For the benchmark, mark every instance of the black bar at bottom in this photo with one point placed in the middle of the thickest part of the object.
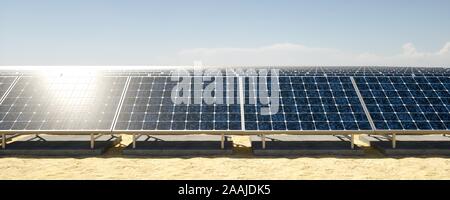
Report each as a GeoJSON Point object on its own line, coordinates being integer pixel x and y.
{"type": "Point", "coordinates": [227, 189]}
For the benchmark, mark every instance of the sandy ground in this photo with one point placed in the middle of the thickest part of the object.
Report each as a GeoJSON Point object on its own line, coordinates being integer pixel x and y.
{"type": "Point", "coordinates": [242, 165]}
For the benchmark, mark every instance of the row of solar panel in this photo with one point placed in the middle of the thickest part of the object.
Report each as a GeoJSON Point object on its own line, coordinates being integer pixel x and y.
{"type": "Point", "coordinates": [291, 71]}
{"type": "Point", "coordinates": [96, 103]}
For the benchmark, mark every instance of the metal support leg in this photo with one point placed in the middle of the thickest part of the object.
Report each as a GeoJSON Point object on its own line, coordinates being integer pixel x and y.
{"type": "Point", "coordinates": [352, 140]}
{"type": "Point", "coordinates": [134, 141]}
{"type": "Point", "coordinates": [3, 141]}
{"type": "Point", "coordinates": [394, 141]}
{"type": "Point", "coordinates": [222, 142]}
{"type": "Point", "coordinates": [92, 141]}
{"type": "Point", "coordinates": [263, 140]}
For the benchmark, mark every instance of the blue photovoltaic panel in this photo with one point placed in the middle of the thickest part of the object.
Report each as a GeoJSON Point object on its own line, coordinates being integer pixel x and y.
{"type": "Point", "coordinates": [363, 71]}
{"type": "Point", "coordinates": [407, 103]}
{"type": "Point", "coordinates": [61, 103]}
{"type": "Point", "coordinates": [309, 103]}
{"type": "Point", "coordinates": [148, 106]}
{"type": "Point", "coordinates": [311, 98]}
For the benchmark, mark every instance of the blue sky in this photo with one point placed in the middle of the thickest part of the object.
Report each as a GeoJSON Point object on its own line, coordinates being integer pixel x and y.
{"type": "Point", "coordinates": [249, 32]}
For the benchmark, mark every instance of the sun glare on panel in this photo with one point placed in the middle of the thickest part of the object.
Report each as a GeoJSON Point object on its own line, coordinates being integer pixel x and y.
{"type": "Point", "coordinates": [69, 88]}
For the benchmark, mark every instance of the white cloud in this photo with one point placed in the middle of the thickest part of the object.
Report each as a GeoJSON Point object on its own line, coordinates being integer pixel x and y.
{"type": "Point", "coordinates": [297, 54]}
{"type": "Point", "coordinates": [445, 49]}
{"type": "Point", "coordinates": [409, 49]}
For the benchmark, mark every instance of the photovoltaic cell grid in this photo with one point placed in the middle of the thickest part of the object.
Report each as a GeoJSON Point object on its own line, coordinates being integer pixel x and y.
{"type": "Point", "coordinates": [364, 71]}
{"type": "Point", "coordinates": [314, 98]}
{"type": "Point", "coordinates": [5, 83]}
{"type": "Point", "coordinates": [309, 103]}
{"type": "Point", "coordinates": [308, 71]}
{"type": "Point", "coordinates": [61, 103]}
{"type": "Point", "coordinates": [163, 72]}
{"type": "Point", "coordinates": [148, 106]}
{"type": "Point", "coordinates": [407, 103]}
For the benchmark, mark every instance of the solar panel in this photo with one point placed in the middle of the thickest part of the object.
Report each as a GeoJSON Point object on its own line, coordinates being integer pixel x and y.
{"type": "Point", "coordinates": [61, 103]}
{"type": "Point", "coordinates": [309, 103]}
{"type": "Point", "coordinates": [311, 98]}
{"type": "Point", "coordinates": [162, 72]}
{"type": "Point", "coordinates": [363, 71]}
{"type": "Point", "coordinates": [407, 103]}
{"type": "Point", "coordinates": [148, 106]}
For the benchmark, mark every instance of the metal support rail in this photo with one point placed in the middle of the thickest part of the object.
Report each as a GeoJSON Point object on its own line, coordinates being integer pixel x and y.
{"type": "Point", "coordinates": [363, 104]}
{"type": "Point", "coordinates": [242, 101]}
{"type": "Point", "coordinates": [16, 79]}
{"type": "Point", "coordinates": [119, 107]}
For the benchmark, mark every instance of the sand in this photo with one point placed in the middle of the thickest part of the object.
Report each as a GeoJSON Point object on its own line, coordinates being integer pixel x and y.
{"type": "Point", "coordinates": [242, 165]}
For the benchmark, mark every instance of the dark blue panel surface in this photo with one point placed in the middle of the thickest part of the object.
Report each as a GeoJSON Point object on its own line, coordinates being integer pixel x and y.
{"type": "Point", "coordinates": [309, 103]}
{"type": "Point", "coordinates": [407, 103]}
{"type": "Point", "coordinates": [148, 105]}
